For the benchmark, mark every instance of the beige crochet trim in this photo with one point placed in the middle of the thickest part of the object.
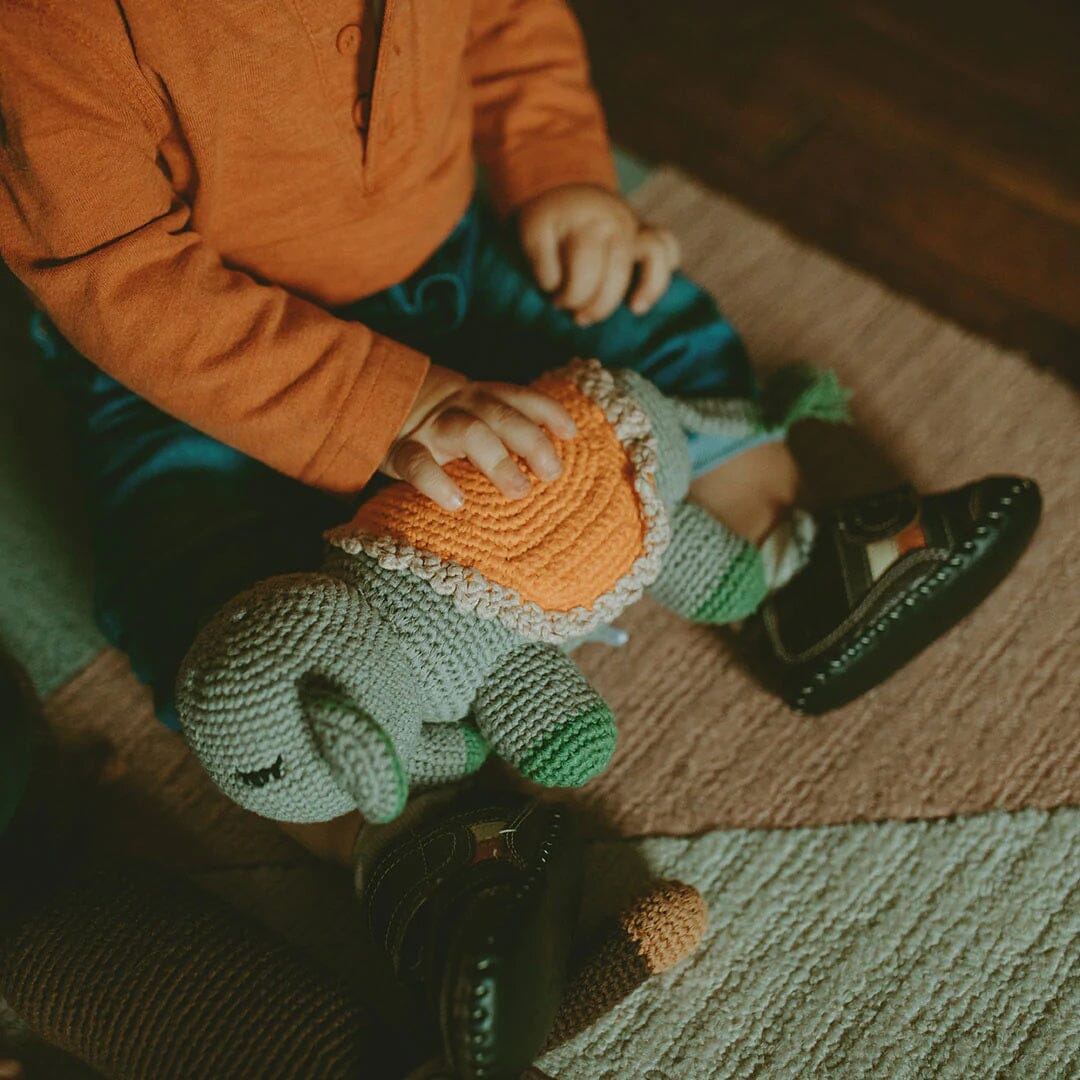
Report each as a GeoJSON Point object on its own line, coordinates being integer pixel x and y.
{"type": "Point", "coordinates": [474, 594]}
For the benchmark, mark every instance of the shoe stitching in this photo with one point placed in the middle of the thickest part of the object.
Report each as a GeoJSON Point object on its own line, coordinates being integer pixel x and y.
{"type": "Point", "coordinates": [392, 916]}
{"type": "Point", "coordinates": [390, 861]}
{"type": "Point", "coordinates": [769, 613]}
{"type": "Point", "coordinates": [877, 629]}
{"type": "Point", "coordinates": [934, 582]}
{"type": "Point", "coordinates": [386, 866]}
{"type": "Point", "coordinates": [396, 911]}
{"type": "Point", "coordinates": [512, 828]}
{"type": "Point", "coordinates": [420, 885]}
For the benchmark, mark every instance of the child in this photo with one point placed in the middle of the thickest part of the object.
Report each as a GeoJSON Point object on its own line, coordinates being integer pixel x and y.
{"type": "Point", "coordinates": [263, 275]}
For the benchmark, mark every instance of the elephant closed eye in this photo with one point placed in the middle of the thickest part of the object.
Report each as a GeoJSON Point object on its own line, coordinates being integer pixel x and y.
{"type": "Point", "coordinates": [262, 777]}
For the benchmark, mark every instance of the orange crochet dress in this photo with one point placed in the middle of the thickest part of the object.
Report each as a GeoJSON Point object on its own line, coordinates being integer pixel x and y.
{"type": "Point", "coordinates": [565, 545]}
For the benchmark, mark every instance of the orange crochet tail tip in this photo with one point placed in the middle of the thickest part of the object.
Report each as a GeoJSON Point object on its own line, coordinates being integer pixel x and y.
{"type": "Point", "coordinates": [653, 934]}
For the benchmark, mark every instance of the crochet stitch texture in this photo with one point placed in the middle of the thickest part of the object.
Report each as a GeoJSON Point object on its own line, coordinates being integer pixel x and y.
{"type": "Point", "coordinates": [430, 638]}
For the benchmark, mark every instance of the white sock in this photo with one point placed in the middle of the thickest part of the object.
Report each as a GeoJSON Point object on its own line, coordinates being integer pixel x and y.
{"type": "Point", "coordinates": [786, 550]}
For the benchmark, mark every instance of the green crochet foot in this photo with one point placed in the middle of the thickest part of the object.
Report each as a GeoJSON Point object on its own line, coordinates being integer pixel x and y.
{"type": "Point", "coordinates": [739, 593]}
{"type": "Point", "coordinates": [574, 752]}
{"type": "Point", "coordinates": [476, 748]}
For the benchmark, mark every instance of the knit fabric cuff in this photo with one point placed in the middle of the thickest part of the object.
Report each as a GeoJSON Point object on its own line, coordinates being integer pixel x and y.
{"type": "Point", "coordinates": [374, 839]}
{"type": "Point", "coordinates": [370, 418]}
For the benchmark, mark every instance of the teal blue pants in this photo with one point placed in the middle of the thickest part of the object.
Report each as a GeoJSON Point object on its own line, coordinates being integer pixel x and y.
{"type": "Point", "coordinates": [181, 522]}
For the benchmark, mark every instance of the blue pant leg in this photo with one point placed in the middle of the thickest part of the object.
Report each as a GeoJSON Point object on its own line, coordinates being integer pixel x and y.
{"type": "Point", "coordinates": [683, 344]}
{"type": "Point", "coordinates": [179, 522]}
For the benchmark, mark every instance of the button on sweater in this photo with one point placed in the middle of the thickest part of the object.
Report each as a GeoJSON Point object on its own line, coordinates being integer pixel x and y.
{"type": "Point", "coordinates": [186, 188]}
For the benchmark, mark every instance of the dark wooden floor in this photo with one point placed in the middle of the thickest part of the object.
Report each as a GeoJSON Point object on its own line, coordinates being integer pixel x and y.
{"type": "Point", "coordinates": [934, 143]}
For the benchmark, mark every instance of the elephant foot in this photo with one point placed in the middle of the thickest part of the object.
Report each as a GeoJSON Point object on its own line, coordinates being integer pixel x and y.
{"type": "Point", "coordinates": [575, 751]}
{"type": "Point", "coordinates": [738, 593]}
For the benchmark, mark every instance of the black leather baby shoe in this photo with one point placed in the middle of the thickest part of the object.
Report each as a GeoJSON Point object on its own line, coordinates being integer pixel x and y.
{"type": "Point", "coordinates": [475, 911]}
{"type": "Point", "coordinates": [888, 574]}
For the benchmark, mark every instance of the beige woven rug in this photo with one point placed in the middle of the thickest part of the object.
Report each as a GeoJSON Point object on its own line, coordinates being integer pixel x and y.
{"type": "Point", "coordinates": [990, 716]}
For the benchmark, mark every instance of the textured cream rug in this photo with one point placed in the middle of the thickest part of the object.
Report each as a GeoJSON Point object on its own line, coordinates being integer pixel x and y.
{"type": "Point", "coordinates": [899, 949]}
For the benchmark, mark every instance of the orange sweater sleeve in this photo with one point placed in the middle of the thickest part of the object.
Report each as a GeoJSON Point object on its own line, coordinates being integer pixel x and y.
{"type": "Point", "coordinates": [94, 230]}
{"type": "Point", "coordinates": [538, 123]}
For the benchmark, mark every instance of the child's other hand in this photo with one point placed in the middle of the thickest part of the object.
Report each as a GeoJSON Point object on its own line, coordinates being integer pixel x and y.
{"type": "Point", "coordinates": [584, 244]}
{"type": "Point", "coordinates": [484, 422]}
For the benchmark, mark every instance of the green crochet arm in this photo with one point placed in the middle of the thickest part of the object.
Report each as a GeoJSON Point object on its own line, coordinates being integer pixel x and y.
{"type": "Point", "coordinates": [539, 713]}
{"type": "Point", "coordinates": [447, 752]}
{"type": "Point", "coordinates": [709, 574]}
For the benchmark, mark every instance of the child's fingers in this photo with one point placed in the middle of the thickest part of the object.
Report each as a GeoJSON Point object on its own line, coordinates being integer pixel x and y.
{"type": "Point", "coordinates": [654, 259]}
{"type": "Point", "coordinates": [541, 247]}
{"type": "Point", "coordinates": [521, 435]}
{"type": "Point", "coordinates": [412, 462]}
{"type": "Point", "coordinates": [538, 407]}
{"type": "Point", "coordinates": [674, 248]}
{"type": "Point", "coordinates": [465, 435]}
{"type": "Point", "coordinates": [613, 283]}
{"type": "Point", "coordinates": [583, 257]}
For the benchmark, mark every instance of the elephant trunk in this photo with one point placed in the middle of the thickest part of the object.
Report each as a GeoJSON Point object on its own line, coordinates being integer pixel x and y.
{"type": "Point", "coordinates": [297, 703]}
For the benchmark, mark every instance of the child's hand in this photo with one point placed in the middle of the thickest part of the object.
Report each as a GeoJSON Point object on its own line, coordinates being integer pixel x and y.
{"type": "Point", "coordinates": [482, 421]}
{"type": "Point", "coordinates": [584, 244]}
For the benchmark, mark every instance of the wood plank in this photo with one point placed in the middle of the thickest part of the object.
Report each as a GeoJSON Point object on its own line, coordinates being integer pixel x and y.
{"type": "Point", "coordinates": [1023, 50]}
{"type": "Point", "coordinates": [1030, 155]}
{"type": "Point", "coordinates": [806, 115]}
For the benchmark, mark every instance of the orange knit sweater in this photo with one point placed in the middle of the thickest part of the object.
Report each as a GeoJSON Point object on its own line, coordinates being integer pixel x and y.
{"type": "Point", "coordinates": [185, 186]}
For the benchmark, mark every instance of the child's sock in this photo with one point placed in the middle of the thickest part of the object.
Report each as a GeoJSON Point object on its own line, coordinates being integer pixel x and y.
{"type": "Point", "coordinates": [786, 550]}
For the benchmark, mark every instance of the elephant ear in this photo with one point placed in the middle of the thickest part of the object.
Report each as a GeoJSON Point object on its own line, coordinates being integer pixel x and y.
{"type": "Point", "coordinates": [358, 751]}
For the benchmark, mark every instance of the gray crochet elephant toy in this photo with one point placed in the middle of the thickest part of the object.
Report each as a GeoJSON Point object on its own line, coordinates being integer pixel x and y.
{"type": "Point", "coordinates": [430, 638]}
